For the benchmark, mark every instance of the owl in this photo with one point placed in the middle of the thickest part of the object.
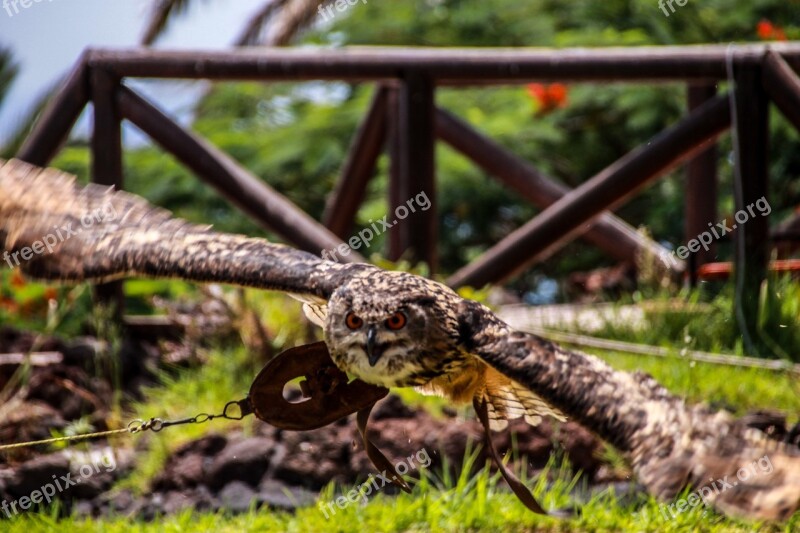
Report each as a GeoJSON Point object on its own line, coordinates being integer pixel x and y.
{"type": "Point", "coordinates": [400, 330]}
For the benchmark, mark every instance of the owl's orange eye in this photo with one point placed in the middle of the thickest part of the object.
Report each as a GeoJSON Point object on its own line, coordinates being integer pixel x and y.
{"type": "Point", "coordinates": [353, 321]}
{"type": "Point", "coordinates": [396, 321]}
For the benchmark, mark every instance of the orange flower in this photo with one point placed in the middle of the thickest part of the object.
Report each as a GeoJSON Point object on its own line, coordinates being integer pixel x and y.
{"type": "Point", "coordinates": [17, 280]}
{"type": "Point", "coordinates": [8, 304]}
{"type": "Point", "coordinates": [766, 31]}
{"type": "Point", "coordinates": [50, 293]}
{"type": "Point", "coordinates": [548, 97]}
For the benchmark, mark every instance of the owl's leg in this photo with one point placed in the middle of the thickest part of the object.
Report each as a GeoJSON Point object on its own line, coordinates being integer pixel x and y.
{"type": "Point", "coordinates": [518, 487]}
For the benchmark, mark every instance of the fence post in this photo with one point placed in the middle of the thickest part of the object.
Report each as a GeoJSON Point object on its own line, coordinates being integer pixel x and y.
{"type": "Point", "coordinates": [358, 168]}
{"type": "Point", "coordinates": [751, 183]}
{"type": "Point", "coordinates": [106, 148]}
{"type": "Point", "coordinates": [700, 202]}
{"type": "Point", "coordinates": [412, 146]}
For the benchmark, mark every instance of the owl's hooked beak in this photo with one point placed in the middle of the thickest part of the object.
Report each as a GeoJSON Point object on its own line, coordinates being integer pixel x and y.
{"type": "Point", "coordinates": [373, 353]}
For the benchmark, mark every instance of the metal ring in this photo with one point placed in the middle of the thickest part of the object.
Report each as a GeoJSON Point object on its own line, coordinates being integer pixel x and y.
{"type": "Point", "coordinates": [155, 424]}
{"type": "Point", "coordinates": [228, 406]}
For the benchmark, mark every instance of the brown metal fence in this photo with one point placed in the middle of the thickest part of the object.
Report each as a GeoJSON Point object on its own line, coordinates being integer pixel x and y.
{"type": "Point", "coordinates": [404, 118]}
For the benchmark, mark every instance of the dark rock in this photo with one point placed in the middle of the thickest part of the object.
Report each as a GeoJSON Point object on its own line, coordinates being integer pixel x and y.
{"type": "Point", "coordinates": [246, 461]}
{"type": "Point", "coordinates": [188, 466]}
{"type": "Point", "coordinates": [83, 508]}
{"type": "Point", "coordinates": [34, 474]}
{"type": "Point", "coordinates": [49, 385]}
{"type": "Point", "coordinates": [315, 458]}
{"type": "Point", "coordinates": [182, 472]}
{"type": "Point", "coordinates": [391, 407]}
{"type": "Point", "coordinates": [91, 486]}
{"type": "Point", "coordinates": [208, 445]}
{"type": "Point", "coordinates": [117, 502]}
{"type": "Point", "coordinates": [237, 496]}
{"type": "Point", "coordinates": [277, 495]}
{"type": "Point", "coordinates": [25, 421]}
{"type": "Point", "coordinates": [175, 501]}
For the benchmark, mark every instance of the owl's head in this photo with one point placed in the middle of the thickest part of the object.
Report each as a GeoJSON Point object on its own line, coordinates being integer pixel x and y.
{"type": "Point", "coordinates": [390, 328]}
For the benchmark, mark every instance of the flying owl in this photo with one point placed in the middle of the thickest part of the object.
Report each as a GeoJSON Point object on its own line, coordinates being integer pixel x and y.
{"type": "Point", "coordinates": [397, 329]}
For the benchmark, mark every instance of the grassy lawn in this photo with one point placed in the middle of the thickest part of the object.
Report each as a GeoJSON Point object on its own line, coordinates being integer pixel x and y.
{"type": "Point", "coordinates": [479, 503]}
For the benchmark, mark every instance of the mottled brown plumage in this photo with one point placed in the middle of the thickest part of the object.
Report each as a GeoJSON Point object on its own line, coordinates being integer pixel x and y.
{"type": "Point", "coordinates": [446, 344]}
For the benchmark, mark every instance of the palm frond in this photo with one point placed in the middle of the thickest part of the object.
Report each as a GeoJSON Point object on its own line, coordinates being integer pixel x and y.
{"type": "Point", "coordinates": [24, 125]}
{"type": "Point", "coordinates": [295, 15]}
{"type": "Point", "coordinates": [254, 29]}
{"type": "Point", "coordinates": [161, 14]}
{"type": "Point", "coordinates": [8, 71]}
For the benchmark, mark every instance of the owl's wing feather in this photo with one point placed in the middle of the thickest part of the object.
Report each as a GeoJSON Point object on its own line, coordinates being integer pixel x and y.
{"type": "Point", "coordinates": [505, 398]}
{"type": "Point", "coordinates": [315, 309]}
{"type": "Point", "coordinates": [670, 445]}
{"type": "Point", "coordinates": [98, 234]}
{"type": "Point", "coordinates": [508, 400]}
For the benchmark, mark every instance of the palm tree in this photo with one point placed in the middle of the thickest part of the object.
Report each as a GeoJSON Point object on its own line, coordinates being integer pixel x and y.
{"type": "Point", "coordinates": [275, 24]}
{"type": "Point", "coordinates": [8, 71]}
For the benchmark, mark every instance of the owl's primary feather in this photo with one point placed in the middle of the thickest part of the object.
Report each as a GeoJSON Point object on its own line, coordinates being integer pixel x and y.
{"type": "Point", "coordinates": [397, 329]}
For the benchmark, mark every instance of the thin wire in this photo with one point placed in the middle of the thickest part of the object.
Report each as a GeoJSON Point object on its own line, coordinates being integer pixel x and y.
{"type": "Point", "coordinates": [63, 439]}
{"type": "Point", "coordinates": [154, 424]}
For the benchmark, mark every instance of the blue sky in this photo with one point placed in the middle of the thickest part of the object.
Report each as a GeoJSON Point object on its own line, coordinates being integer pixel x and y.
{"type": "Point", "coordinates": [48, 36]}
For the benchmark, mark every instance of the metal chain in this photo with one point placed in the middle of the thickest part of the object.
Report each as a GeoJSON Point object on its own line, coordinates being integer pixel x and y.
{"type": "Point", "coordinates": [154, 424]}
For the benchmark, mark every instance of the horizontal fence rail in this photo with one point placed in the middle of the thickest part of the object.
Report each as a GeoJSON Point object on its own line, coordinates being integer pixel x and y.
{"type": "Point", "coordinates": [445, 65]}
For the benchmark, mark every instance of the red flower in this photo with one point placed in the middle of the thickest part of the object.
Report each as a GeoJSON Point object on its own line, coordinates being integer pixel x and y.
{"type": "Point", "coordinates": [766, 31]}
{"type": "Point", "coordinates": [8, 304]}
{"type": "Point", "coordinates": [548, 97]}
{"type": "Point", "coordinates": [50, 293]}
{"type": "Point", "coordinates": [17, 280]}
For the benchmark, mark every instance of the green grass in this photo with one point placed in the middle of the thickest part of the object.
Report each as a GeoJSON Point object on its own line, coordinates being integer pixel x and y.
{"type": "Point", "coordinates": [703, 319]}
{"type": "Point", "coordinates": [734, 388]}
{"type": "Point", "coordinates": [479, 503]}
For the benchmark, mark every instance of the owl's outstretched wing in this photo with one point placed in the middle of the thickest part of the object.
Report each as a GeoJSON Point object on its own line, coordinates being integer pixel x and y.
{"type": "Point", "coordinates": [56, 229]}
{"type": "Point", "coordinates": [670, 444]}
